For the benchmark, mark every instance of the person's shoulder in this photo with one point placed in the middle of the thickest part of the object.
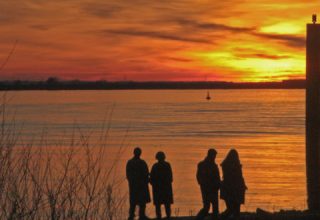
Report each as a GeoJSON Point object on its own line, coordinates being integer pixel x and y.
{"type": "Point", "coordinates": [155, 165]}
{"type": "Point", "coordinates": [130, 163]}
{"type": "Point", "coordinates": [201, 163]}
{"type": "Point", "coordinates": [167, 164]}
{"type": "Point", "coordinates": [142, 162]}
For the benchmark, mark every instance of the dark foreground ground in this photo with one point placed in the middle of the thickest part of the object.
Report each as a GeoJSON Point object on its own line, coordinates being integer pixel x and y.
{"type": "Point", "coordinates": [263, 215]}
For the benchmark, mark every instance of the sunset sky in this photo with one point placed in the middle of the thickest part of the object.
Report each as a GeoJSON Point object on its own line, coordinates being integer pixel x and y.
{"type": "Point", "coordinates": [143, 40]}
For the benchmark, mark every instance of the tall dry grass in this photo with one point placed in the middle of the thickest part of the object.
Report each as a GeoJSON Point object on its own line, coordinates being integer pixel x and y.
{"type": "Point", "coordinates": [58, 182]}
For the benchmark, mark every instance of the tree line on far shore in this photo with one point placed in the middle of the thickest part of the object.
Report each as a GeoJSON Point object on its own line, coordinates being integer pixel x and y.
{"type": "Point", "coordinates": [54, 83]}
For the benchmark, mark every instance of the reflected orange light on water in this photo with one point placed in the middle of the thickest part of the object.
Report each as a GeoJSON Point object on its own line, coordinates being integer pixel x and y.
{"type": "Point", "coordinates": [265, 126]}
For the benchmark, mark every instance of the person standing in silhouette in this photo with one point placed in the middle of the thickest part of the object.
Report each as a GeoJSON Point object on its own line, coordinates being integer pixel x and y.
{"type": "Point", "coordinates": [233, 186]}
{"type": "Point", "coordinates": [208, 177]}
{"type": "Point", "coordinates": [161, 181]}
{"type": "Point", "coordinates": [138, 178]}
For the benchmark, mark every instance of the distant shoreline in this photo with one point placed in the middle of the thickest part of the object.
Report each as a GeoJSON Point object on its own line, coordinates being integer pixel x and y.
{"type": "Point", "coordinates": [56, 84]}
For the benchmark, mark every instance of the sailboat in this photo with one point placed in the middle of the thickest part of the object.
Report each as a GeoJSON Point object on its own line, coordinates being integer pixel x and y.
{"type": "Point", "coordinates": [208, 96]}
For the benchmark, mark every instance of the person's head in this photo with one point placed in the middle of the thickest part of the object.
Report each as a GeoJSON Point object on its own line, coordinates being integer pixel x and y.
{"type": "Point", "coordinates": [233, 154]}
{"type": "Point", "coordinates": [232, 157]}
{"type": "Point", "coordinates": [212, 153]}
{"type": "Point", "coordinates": [160, 156]}
{"type": "Point", "coordinates": [137, 152]}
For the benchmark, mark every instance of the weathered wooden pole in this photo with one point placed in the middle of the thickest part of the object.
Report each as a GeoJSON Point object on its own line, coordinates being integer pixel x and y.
{"type": "Point", "coordinates": [313, 115]}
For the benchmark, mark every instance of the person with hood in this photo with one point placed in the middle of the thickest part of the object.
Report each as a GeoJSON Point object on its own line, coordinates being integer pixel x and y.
{"type": "Point", "coordinates": [208, 178]}
{"type": "Point", "coordinates": [137, 173]}
{"type": "Point", "coordinates": [233, 186]}
{"type": "Point", "coordinates": [161, 180]}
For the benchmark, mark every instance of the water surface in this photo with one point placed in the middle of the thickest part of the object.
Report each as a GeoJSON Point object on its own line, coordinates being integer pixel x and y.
{"type": "Point", "coordinates": [265, 126]}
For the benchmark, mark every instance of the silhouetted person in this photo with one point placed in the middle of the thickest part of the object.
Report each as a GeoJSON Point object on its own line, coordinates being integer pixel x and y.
{"type": "Point", "coordinates": [209, 180]}
{"type": "Point", "coordinates": [233, 186]}
{"type": "Point", "coordinates": [138, 178]}
{"type": "Point", "coordinates": [161, 181]}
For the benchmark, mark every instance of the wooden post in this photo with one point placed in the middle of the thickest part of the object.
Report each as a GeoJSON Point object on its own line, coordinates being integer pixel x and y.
{"type": "Point", "coordinates": [313, 115]}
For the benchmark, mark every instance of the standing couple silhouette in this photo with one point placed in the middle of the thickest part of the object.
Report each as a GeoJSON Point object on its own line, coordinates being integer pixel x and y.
{"type": "Point", "coordinates": [160, 178]}
{"type": "Point", "coordinates": [232, 187]}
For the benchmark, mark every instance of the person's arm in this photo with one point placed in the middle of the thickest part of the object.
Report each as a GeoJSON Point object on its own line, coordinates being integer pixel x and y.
{"type": "Point", "coordinates": [170, 174]}
{"type": "Point", "coordinates": [198, 175]}
{"type": "Point", "coordinates": [152, 175]}
{"type": "Point", "coordinates": [146, 172]}
{"type": "Point", "coordinates": [242, 179]}
{"type": "Point", "coordinates": [128, 172]}
{"type": "Point", "coordinates": [217, 176]}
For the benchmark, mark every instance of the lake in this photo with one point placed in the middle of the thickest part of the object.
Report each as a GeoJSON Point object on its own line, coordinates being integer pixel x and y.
{"type": "Point", "coordinates": [267, 127]}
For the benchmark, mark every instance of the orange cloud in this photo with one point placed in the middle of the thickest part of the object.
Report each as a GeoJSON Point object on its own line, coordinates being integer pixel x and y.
{"type": "Point", "coordinates": [234, 40]}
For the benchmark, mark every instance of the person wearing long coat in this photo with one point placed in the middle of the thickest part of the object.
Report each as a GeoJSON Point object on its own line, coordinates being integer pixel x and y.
{"type": "Point", "coordinates": [208, 178]}
{"type": "Point", "coordinates": [138, 178]}
{"type": "Point", "coordinates": [161, 180]}
{"type": "Point", "coordinates": [233, 186]}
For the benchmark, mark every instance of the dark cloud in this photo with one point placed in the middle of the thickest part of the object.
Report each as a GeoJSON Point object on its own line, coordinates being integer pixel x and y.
{"type": "Point", "coordinates": [42, 43]}
{"type": "Point", "coordinates": [10, 15]}
{"type": "Point", "coordinates": [289, 40]}
{"type": "Point", "coordinates": [214, 26]}
{"type": "Point", "coordinates": [102, 10]}
{"type": "Point", "coordinates": [177, 59]}
{"type": "Point", "coordinates": [288, 75]}
{"type": "Point", "coordinates": [261, 55]}
{"type": "Point", "coordinates": [158, 35]}
{"type": "Point", "coordinates": [80, 60]}
{"type": "Point", "coordinates": [40, 27]}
